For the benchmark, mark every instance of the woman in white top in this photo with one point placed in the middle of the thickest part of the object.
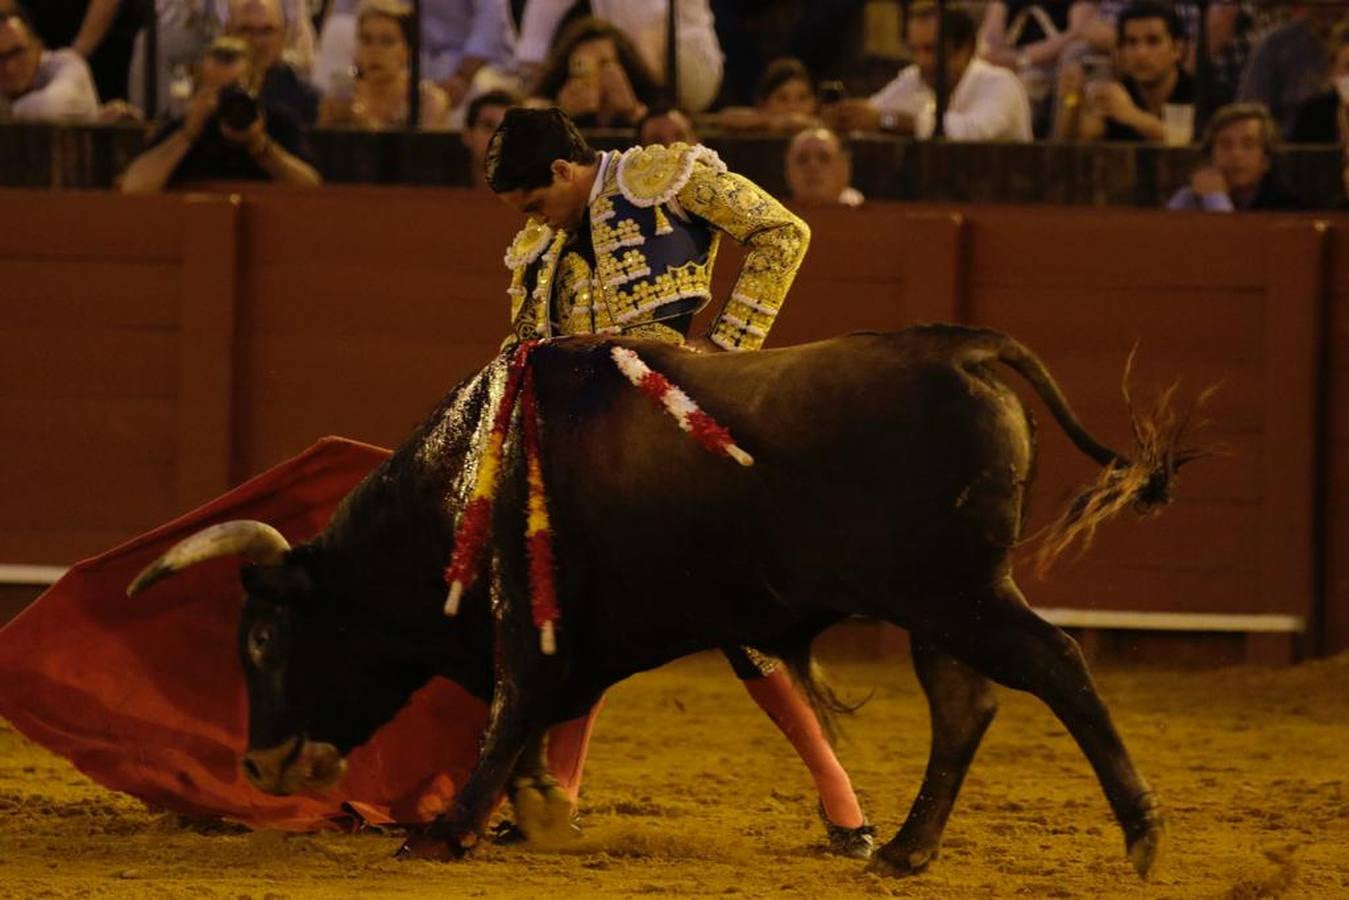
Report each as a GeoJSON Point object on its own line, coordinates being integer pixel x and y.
{"type": "Point", "coordinates": [643, 22]}
{"type": "Point", "coordinates": [378, 97]}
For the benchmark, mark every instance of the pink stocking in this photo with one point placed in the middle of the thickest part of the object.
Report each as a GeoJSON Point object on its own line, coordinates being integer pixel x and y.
{"type": "Point", "coordinates": [777, 696]}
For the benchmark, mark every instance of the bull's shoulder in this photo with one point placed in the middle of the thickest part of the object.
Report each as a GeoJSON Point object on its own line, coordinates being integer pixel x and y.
{"type": "Point", "coordinates": [656, 174]}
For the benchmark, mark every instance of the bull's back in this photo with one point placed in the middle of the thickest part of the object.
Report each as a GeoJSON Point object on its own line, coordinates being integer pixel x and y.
{"type": "Point", "coordinates": [878, 457]}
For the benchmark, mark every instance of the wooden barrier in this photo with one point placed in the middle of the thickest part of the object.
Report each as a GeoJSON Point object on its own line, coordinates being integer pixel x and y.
{"type": "Point", "coordinates": [884, 167]}
{"type": "Point", "coordinates": [110, 340]}
{"type": "Point", "coordinates": [155, 350]}
{"type": "Point", "coordinates": [1333, 525]}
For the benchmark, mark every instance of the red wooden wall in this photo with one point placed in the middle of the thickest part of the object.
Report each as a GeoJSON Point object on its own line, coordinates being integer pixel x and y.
{"type": "Point", "coordinates": [154, 351]}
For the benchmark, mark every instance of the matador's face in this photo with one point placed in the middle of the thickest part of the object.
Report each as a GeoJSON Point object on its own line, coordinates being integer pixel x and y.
{"type": "Point", "coordinates": [560, 204]}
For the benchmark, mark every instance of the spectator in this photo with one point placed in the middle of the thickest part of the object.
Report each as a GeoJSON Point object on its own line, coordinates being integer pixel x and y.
{"type": "Point", "coordinates": [642, 22]}
{"type": "Point", "coordinates": [185, 27]}
{"type": "Point", "coordinates": [665, 127]}
{"type": "Point", "coordinates": [1239, 146]}
{"type": "Point", "coordinates": [597, 78]}
{"type": "Point", "coordinates": [380, 95]}
{"type": "Point", "coordinates": [1031, 37]}
{"type": "Point", "coordinates": [819, 169]}
{"type": "Point", "coordinates": [1324, 119]}
{"type": "Point", "coordinates": [484, 116]}
{"type": "Point", "coordinates": [1290, 65]}
{"type": "Point", "coordinates": [1233, 26]}
{"type": "Point", "coordinates": [1102, 31]}
{"type": "Point", "coordinates": [38, 84]}
{"type": "Point", "coordinates": [1151, 47]}
{"type": "Point", "coordinates": [204, 147]}
{"type": "Point", "coordinates": [987, 102]}
{"type": "Point", "coordinates": [466, 45]}
{"type": "Point", "coordinates": [100, 31]}
{"type": "Point", "coordinates": [785, 100]}
{"type": "Point", "coordinates": [1233, 30]}
{"type": "Point", "coordinates": [262, 25]}
{"type": "Point", "coordinates": [830, 37]}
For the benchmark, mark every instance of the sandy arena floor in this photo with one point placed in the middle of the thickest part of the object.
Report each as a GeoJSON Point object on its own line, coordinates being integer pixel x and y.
{"type": "Point", "coordinates": [692, 791]}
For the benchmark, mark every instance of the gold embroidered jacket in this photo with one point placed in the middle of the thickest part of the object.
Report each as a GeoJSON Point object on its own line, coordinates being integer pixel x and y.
{"type": "Point", "coordinates": [655, 225]}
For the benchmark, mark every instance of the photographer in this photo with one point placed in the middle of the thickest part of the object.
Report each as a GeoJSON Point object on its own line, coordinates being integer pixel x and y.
{"type": "Point", "coordinates": [597, 78]}
{"type": "Point", "coordinates": [227, 134]}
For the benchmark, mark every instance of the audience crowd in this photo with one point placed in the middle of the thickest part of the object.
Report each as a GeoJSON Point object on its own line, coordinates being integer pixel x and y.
{"type": "Point", "coordinates": [238, 83]}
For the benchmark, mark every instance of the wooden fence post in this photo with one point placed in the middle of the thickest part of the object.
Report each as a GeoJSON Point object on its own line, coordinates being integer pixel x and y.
{"type": "Point", "coordinates": [1293, 312]}
{"type": "Point", "coordinates": [207, 357]}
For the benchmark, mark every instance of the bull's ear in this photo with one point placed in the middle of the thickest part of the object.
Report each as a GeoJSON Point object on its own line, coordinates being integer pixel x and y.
{"type": "Point", "coordinates": [279, 584]}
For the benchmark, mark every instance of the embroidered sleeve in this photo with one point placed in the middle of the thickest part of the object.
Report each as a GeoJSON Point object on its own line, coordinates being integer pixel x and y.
{"type": "Point", "coordinates": [777, 242]}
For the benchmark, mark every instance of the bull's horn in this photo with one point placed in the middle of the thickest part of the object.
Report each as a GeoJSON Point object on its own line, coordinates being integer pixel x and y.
{"type": "Point", "coordinates": [257, 542]}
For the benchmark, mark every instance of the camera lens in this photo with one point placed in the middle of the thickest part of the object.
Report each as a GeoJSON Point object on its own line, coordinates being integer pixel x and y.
{"type": "Point", "coordinates": [236, 107]}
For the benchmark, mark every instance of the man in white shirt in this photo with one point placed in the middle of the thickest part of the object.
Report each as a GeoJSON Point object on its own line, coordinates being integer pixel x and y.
{"type": "Point", "coordinates": [987, 103]}
{"type": "Point", "coordinates": [643, 21]}
{"type": "Point", "coordinates": [41, 85]}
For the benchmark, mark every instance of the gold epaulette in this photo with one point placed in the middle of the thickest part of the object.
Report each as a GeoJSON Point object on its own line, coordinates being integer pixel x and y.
{"type": "Point", "coordinates": [648, 176]}
{"type": "Point", "coordinates": [528, 244]}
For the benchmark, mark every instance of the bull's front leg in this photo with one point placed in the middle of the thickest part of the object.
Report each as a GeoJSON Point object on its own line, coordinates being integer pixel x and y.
{"type": "Point", "coordinates": [454, 833]}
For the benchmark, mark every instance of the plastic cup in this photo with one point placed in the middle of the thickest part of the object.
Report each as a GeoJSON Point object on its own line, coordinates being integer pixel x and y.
{"type": "Point", "coordinates": [1178, 120]}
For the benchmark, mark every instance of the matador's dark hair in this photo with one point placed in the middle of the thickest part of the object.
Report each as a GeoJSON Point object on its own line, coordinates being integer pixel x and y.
{"type": "Point", "coordinates": [521, 153]}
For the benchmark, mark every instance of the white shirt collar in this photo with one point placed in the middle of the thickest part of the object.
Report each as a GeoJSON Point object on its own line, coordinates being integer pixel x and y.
{"type": "Point", "coordinates": [602, 167]}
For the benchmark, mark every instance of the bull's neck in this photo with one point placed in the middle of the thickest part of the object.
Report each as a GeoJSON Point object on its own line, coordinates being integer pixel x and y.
{"type": "Point", "coordinates": [387, 546]}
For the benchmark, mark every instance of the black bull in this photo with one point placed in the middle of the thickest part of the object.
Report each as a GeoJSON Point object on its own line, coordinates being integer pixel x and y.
{"type": "Point", "coordinates": [890, 481]}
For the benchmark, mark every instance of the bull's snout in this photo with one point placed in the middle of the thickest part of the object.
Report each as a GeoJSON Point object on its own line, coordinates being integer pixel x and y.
{"type": "Point", "coordinates": [295, 765]}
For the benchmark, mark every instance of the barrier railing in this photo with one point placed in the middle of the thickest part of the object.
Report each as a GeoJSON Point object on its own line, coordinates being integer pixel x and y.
{"type": "Point", "coordinates": [85, 157]}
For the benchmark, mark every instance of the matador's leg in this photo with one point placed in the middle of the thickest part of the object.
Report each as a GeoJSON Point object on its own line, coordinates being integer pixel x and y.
{"type": "Point", "coordinates": [768, 682]}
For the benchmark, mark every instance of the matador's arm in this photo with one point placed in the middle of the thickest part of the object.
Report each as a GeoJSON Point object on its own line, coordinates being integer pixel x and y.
{"type": "Point", "coordinates": [777, 241]}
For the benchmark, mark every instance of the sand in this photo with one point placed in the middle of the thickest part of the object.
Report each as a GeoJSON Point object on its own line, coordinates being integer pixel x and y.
{"type": "Point", "coordinates": [690, 790]}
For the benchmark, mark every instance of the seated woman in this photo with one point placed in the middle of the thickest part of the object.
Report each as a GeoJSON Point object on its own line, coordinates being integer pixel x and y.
{"type": "Point", "coordinates": [785, 100]}
{"type": "Point", "coordinates": [596, 77]}
{"type": "Point", "coordinates": [378, 99]}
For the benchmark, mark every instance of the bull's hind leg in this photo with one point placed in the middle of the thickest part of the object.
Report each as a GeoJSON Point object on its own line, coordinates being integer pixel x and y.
{"type": "Point", "coordinates": [1000, 636]}
{"type": "Point", "coordinates": [962, 705]}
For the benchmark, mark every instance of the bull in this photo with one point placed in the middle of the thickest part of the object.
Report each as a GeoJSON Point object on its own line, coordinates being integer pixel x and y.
{"type": "Point", "coordinates": [891, 482]}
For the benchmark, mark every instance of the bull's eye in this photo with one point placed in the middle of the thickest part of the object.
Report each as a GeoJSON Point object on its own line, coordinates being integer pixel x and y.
{"type": "Point", "coordinates": [259, 643]}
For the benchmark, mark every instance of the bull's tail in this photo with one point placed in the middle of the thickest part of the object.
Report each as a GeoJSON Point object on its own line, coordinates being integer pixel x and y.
{"type": "Point", "coordinates": [1142, 481]}
{"type": "Point", "coordinates": [810, 680]}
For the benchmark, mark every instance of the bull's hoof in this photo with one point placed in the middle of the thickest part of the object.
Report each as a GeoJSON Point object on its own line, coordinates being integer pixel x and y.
{"type": "Point", "coordinates": [1144, 848]}
{"type": "Point", "coordinates": [897, 861]}
{"type": "Point", "coordinates": [1143, 841]}
{"type": "Point", "coordinates": [435, 849]}
{"type": "Point", "coordinates": [544, 813]}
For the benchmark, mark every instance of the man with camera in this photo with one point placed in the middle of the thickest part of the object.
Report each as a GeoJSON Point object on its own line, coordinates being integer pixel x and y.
{"type": "Point", "coordinates": [226, 135]}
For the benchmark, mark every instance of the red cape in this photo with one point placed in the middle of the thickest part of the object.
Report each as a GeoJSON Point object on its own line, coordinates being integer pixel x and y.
{"type": "Point", "coordinates": [146, 695]}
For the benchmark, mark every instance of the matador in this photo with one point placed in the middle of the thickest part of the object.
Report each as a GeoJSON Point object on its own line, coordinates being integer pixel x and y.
{"type": "Point", "coordinates": [625, 243]}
